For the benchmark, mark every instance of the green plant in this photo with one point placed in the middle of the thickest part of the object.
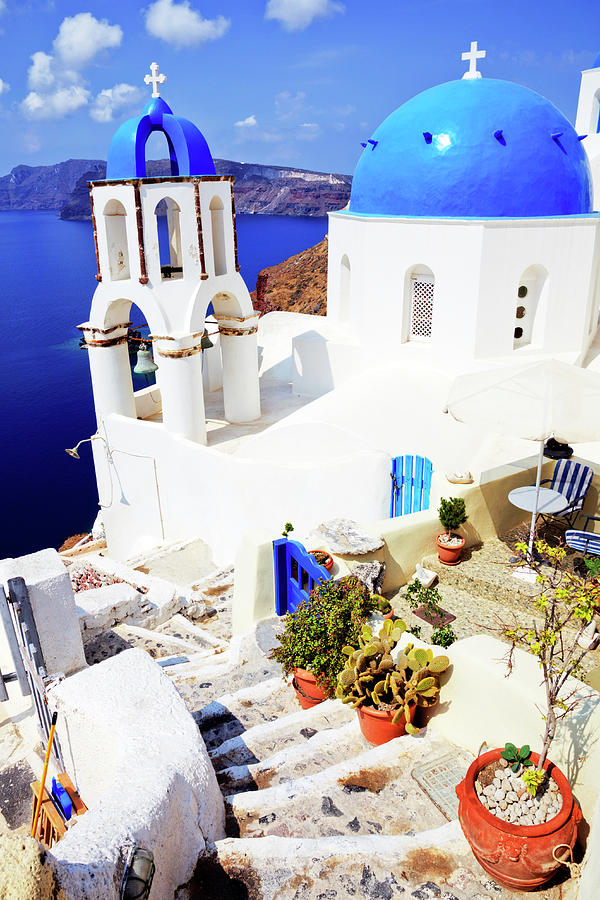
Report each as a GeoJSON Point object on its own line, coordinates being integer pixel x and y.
{"type": "Point", "coordinates": [515, 757]}
{"type": "Point", "coordinates": [563, 609]}
{"type": "Point", "coordinates": [286, 529]}
{"type": "Point", "coordinates": [452, 513]}
{"type": "Point", "coordinates": [533, 779]}
{"type": "Point", "coordinates": [315, 633]}
{"type": "Point", "coordinates": [443, 636]}
{"type": "Point", "coordinates": [429, 598]}
{"type": "Point", "coordinates": [370, 676]}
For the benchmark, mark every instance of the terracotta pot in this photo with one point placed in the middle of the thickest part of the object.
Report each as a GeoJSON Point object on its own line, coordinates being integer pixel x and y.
{"type": "Point", "coordinates": [389, 615]}
{"type": "Point", "coordinates": [450, 556]}
{"type": "Point", "coordinates": [377, 726]}
{"type": "Point", "coordinates": [328, 564]}
{"type": "Point", "coordinates": [518, 856]}
{"type": "Point", "coordinates": [307, 691]}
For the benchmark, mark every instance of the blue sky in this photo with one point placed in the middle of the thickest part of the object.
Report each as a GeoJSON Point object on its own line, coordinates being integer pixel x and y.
{"type": "Point", "coordinates": [291, 82]}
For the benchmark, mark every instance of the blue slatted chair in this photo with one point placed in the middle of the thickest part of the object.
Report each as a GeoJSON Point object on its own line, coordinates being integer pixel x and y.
{"type": "Point", "coordinates": [411, 484]}
{"type": "Point", "coordinates": [584, 541]}
{"type": "Point", "coordinates": [572, 480]}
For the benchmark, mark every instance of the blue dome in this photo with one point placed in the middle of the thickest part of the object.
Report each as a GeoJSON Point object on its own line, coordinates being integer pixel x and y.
{"type": "Point", "coordinates": [473, 148]}
{"type": "Point", "coordinates": [187, 147]}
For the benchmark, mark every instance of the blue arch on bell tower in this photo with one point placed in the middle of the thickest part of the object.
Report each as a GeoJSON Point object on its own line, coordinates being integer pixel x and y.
{"type": "Point", "coordinates": [188, 151]}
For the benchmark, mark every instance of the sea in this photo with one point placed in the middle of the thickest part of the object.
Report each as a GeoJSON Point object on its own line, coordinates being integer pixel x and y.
{"type": "Point", "coordinates": [47, 269]}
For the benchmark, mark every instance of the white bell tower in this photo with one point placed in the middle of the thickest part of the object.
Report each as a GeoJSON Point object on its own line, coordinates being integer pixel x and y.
{"type": "Point", "coordinates": [588, 122]}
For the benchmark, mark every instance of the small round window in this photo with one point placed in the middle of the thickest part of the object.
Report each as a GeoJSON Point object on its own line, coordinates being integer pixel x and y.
{"type": "Point", "coordinates": [522, 292]}
{"type": "Point", "coordinates": [520, 312]}
{"type": "Point", "coordinates": [518, 333]}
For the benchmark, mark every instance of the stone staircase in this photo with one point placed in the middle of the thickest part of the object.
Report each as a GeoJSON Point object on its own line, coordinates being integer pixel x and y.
{"type": "Point", "coordinates": [313, 811]}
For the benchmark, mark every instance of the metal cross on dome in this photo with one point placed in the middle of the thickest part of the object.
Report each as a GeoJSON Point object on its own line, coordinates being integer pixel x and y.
{"type": "Point", "coordinates": [155, 79]}
{"type": "Point", "coordinates": [473, 55]}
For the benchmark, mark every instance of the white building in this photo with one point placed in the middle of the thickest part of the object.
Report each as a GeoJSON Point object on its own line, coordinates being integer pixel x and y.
{"type": "Point", "coordinates": [469, 240]}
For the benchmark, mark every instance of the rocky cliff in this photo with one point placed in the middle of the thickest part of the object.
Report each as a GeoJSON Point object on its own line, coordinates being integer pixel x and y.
{"type": "Point", "coordinates": [45, 187]}
{"type": "Point", "coordinates": [273, 190]}
{"type": "Point", "coordinates": [298, 284]}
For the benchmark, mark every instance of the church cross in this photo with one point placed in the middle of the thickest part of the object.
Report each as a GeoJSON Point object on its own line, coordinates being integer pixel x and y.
{"type": "Point", "coordinates": [472, 55]}
{"type": "Point", "coordinates": [155, 79]}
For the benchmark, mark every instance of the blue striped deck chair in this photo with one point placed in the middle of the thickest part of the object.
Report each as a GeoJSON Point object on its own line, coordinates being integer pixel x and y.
{"type": "Point", "coordinates": [411, 484]}
{"type": "Point", "coordinates": [585, 541]}
{"type": "Point", "coordinates": [572, 480]}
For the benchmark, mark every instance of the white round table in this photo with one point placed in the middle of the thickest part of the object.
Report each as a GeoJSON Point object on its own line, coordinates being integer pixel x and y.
{"type": "Point", "coordinates": [549, 501]}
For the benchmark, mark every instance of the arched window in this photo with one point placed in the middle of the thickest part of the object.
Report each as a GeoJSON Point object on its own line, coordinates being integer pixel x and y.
{"type": "Point", "coordinates": [345, 289]}
{"type": "Point", "coordinates": [217, 221]}
{"type": "Point", "coordinates": [115, 219]}
{"type": "Point", "coordinates": [530, 307]}
{"type": "Point", "coordinates": [421, 289]}
{"type": "Point", "coordinates": [169, 238]}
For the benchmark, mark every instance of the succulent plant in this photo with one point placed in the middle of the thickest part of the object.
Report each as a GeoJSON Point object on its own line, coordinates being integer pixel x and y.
{"type": "Point", "coordinates": [383, 605]}
{"type": "Point", "coordinates": [372, 678]}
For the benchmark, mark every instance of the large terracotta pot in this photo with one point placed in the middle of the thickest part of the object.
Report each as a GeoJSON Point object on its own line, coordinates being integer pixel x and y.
{"type": "Point", "coordinates": [450, 556]}
{"type": "Point", "coordinates": [377, 726]}
{"type": "Point", "coordinates": [307, 691]}
{"type": "Point", "coordinates": [518, 856]}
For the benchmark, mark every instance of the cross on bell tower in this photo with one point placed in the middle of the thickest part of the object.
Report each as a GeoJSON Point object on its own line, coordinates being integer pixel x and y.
{"type": "Point", "coordinates": [155, 79]}
{"type": "Point", "coordinates": [472, 55]}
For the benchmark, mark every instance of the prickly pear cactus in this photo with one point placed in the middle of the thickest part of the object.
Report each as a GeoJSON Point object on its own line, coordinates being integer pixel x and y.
{"type": "Point", "coordinates": [372, 678]}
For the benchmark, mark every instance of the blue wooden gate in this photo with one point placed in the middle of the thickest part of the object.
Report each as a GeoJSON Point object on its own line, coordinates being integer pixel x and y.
{"type": "Point", "coordinates": [296, 573]}
{"type": "Point", "coordinates": [411, 484]}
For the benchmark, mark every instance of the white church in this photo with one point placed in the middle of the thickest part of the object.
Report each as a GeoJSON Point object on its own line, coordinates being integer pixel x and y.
{"type": "Point", "coordinates": [470, 240]}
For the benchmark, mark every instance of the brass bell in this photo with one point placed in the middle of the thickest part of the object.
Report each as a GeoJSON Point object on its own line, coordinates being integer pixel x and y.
{"type": "Point", "coordinates": [205, 342]}
{"type": "Point", "coordinates": [145, 365]}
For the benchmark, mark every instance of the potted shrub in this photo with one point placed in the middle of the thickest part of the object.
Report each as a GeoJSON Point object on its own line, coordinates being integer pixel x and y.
{"type": "Point", "coordinates": [452, 515]}
{"type": "Point", "coordinates": [518, 849]}
{"type": "Point", "coordinates": [384, 607]}
{"type": "Point", "coordinates": [314, 634]}
{"type": "Point", "coordinates": [385, 693]}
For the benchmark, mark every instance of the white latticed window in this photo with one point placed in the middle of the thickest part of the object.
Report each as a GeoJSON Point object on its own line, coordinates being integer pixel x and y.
{"type": "Point", "coordinates": [422, 307]}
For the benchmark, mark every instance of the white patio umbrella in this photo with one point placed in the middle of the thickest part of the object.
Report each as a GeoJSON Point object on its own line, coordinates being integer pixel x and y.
{"type": "Point", "coordinates": [536, 401]}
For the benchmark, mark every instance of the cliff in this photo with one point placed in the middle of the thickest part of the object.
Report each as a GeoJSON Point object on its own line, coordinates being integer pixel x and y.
{"type": "Point", "coordinates": [298, 284]}
{"type": "Point", "coordinates": [45, 187]}
{"type": "Point", "coordinates": [272, 190]}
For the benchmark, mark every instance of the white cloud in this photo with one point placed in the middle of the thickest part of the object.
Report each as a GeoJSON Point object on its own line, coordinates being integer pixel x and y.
{"type": "Point", "coordinates": [80, 38]}
{"type": "Point", "coordinates": [40, 74]}
{"type": "Point", "coordinates": [63, 101]}
{"type": "Point", "coordinates": [31, 143]}
{"type": "Point", "coordinates": [110, 100]}
{"type": "Point", "coordinates": [181, 25]}
{"type": "Point", "coordinates": [296, 15]}
{"type": "Point", "coordinates": [4, 86]}
{"type": "Point", "coordinates": [57, 87]}
{"type": "Point", "coordinates": [248, 122]}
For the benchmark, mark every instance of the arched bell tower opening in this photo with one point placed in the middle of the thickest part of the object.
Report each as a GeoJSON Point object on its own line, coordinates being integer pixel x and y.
{"type": "Point", "coordinates": [217, 219]}
{"type": "Point", "coordinates": [115, 222]}
{"type": "Point", "coordinates": [168, 226]}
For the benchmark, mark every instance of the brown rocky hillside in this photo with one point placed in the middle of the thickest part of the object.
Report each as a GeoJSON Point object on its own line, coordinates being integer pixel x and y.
{"type": "Point", "coordinates": [298, 284]}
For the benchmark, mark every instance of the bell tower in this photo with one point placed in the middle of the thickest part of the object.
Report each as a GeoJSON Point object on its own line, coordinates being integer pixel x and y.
{"type": "Point", "coordinates": [168, 244]}
{"type": "Point", "coordinates": [587, 122]}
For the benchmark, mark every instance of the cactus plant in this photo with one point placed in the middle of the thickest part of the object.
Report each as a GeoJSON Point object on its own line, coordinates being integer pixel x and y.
{"type": "Point", "coordinates": [372, 678]}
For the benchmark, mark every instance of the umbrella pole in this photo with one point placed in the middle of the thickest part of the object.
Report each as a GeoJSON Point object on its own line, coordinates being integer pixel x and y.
{"type": "Point", "coordinates": [535, 505]}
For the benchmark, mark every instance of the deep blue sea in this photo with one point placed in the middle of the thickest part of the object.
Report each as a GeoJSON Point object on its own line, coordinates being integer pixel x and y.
{"type": "Point", "coordinates": [47, 270]}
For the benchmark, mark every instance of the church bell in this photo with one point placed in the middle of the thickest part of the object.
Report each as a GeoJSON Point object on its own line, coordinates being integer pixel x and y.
{"type": "Point", "coordinates": [205, 341]}
{"type": "Point", "coordinates": [144, 365]}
